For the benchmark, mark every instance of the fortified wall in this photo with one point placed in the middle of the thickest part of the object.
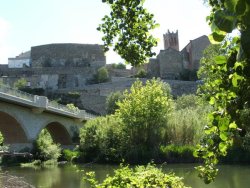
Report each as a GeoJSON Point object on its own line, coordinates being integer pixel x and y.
{"type": "Point", "coordinates": [67, 55]}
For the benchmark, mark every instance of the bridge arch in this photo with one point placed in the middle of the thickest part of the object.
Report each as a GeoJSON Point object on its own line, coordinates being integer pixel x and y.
{"type": "Point", "coordinates": [58, 133]}
{"type": "Point", "coordinates": [12, 130]}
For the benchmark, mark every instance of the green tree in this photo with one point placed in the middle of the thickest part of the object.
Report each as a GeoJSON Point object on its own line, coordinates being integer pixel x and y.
{"type": "Point", "coordinates": [20, 84]}
{"type": "Point", "coordinates": [111, 101]}
{"type": "Point", "coordinates": [228, 92]}
{"type": "Point", "coordinates": [144, 113]}
{"type": "Point", "coordinates": [127, 28]}
{"type": "Point", "coordinates": [141, 74]}
{"type": "Point", "coordinates": [103, 139]}
{"type": "Point", "coordinates": [102, 75]}
{"type": "Point", "coordinates": [47, 149]}
{"type": "Point", "coordinates": [119, 66]}
{"type": "Point", "coordinates": [1, 138]}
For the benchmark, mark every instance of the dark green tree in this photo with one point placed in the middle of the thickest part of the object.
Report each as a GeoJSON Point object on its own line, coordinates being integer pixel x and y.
{"type": "Point", "coordinates": [127, 28]}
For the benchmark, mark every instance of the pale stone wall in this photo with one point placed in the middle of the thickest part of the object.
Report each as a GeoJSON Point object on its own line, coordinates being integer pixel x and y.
{"type": "Point", "coordinates": [170, 62]}
{"type": "Point", "coordinates": [68, 55]}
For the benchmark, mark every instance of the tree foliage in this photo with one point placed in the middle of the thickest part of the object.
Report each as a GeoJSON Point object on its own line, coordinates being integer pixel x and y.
{"type": "Point", "coordinates": [140, 176]}
{"type": "Point", "coordinates": [144, 113]}
{"type": "Point", "coordinates": [127, 28]}
{"type": "Point", "coordinates": [47, 149]}
{"type": "Point", "coordinates": [229, 91]}
{"type": "Point", "coordinates": [20, 84]}
{"type": "Point", "coordinates": [102, 75]}
{"type": "Point", "coordinates": [102, 139]}
{"type": "Point", "coordinates": [119, 66]}
{"type": "Point", "coordinates": [111, 101]}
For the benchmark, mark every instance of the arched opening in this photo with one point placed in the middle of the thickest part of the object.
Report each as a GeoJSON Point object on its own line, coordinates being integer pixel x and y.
{"type": "Point", "coordinates": [59, 133]}
{"type": "Point", "coordinates": [12, 130]}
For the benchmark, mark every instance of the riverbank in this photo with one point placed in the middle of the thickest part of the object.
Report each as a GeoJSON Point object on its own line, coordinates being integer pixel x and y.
{"type": "Point", "coordinates": [9, 181]}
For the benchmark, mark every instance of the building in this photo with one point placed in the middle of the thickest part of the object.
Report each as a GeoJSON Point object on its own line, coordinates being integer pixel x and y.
{"type": "Point", "coordinates": [55, 66]}
{"type": "Point", "coordinates": [173, 64]}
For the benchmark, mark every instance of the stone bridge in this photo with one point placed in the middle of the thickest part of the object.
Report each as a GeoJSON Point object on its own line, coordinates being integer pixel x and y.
{"type": "Point", "coordinates": [23, 116]}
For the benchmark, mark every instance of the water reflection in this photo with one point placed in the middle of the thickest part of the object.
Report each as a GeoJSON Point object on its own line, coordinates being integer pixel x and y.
{"type": "Point", "coordinates": [70, 176]}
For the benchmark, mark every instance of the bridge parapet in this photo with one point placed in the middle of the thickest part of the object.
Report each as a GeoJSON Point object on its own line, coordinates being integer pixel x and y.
{"type": "Point", "coordinates": [17, 93]}
{"type": "Point", "coordinates": [41, 103]}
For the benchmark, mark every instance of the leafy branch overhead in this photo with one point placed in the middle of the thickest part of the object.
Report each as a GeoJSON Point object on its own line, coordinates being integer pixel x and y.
{"type": "Point", "coordinates": [127, 29]}
{"type": "Point", "coordinates": [227, 82]}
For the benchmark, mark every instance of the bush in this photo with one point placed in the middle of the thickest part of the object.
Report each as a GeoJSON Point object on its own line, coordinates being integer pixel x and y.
{"type": "Point", "coordinates": [111, 101]}
{"type": "Point", "coordinates": [118, 66]}
{"type": "Point", "coordinates": [74, 95]}
{"type": "Point", "coordinates": [140, 176]}
{"type": "Point", "coordinates": [102, 75]}
{"type": "Point", "coordinates": [46, 148]}
{"type": "Point", "coordinates": [144, 112]}
{"type": "Point", "coordinates": [102, 139]}
{"type": "Point", "coordinates": [73, 108]}
{"type": "Point", "coordinates": [175, 153]}
{"type": "Point", "coordinates": [141, 74]}
{"type": "Point", "coordinates": [70, 155]}
{"type": "Point", "coordinates": [21, 83]}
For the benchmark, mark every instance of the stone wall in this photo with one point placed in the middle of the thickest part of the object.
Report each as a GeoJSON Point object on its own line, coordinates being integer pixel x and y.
{"type": "Point", "coordinates": [93, 97]}
{"type": "Point", "coordinates": [49, 77]}
{"type": "Point", "coordinates": [170, 62]}
{"type": "Point", "coordinates": [68, 55]}
{"type": "Point", "coordinates": [198, 46]}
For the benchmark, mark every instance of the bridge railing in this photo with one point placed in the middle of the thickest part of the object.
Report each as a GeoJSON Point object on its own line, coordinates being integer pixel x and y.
{"type": "Point", "coordinates": [56, 105]}
{"type": "Point", "coordinates": [46, 103]}
{"type": "Point", "coordinates": [15, 92]}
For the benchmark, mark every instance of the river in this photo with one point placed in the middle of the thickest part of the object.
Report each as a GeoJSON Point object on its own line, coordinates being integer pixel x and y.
{"type": "Point", "coordinates": [70, 176]}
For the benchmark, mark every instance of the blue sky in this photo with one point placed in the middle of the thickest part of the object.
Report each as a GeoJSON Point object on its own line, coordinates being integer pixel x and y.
{"type": "Point", "coordinates": [26, 23]}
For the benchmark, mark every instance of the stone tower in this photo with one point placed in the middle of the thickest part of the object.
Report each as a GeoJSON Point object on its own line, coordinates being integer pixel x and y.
{"type": "Point", "coordinates": [171, 40]}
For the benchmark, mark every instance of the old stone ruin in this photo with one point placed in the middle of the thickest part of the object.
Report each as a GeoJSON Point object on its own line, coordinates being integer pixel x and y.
{"type": "Point", "coordinates": [61, 69]}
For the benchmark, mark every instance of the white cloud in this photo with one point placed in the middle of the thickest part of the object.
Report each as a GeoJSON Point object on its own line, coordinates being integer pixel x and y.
{"type": "Point", "coordinates": [5, 26]}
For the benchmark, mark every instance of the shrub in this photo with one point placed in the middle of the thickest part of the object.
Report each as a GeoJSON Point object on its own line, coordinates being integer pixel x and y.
{"type": "Point", "coordinates": [46, 148]}
{"type": "Point", "coordinates": [73, 108]}
{"type": "Point", "coordinates": [118, 66]}
{"type": "Point", "coordinates": [102, 75]}
{"type": "Point", "coordinates": [21, 83]}
{"type": "Point", "coordinates": [74, 95]}
{"type": "Point", "coordinates": [70, 155]}
{"type": "Point", "coordinates": [102, 139]}
{"type": "Point", "coordinates": [1, 138]}
{"type": "Point", "coordinates": [140, 176]}
{"type": "Point", "coordinates": [175, 153]}
{"type": "Point", "coordinates": [144, 112]}
{"type": "Point", "coordinates": [141, 74]}
{"type": "Point", "coordinates": [111, 101]}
